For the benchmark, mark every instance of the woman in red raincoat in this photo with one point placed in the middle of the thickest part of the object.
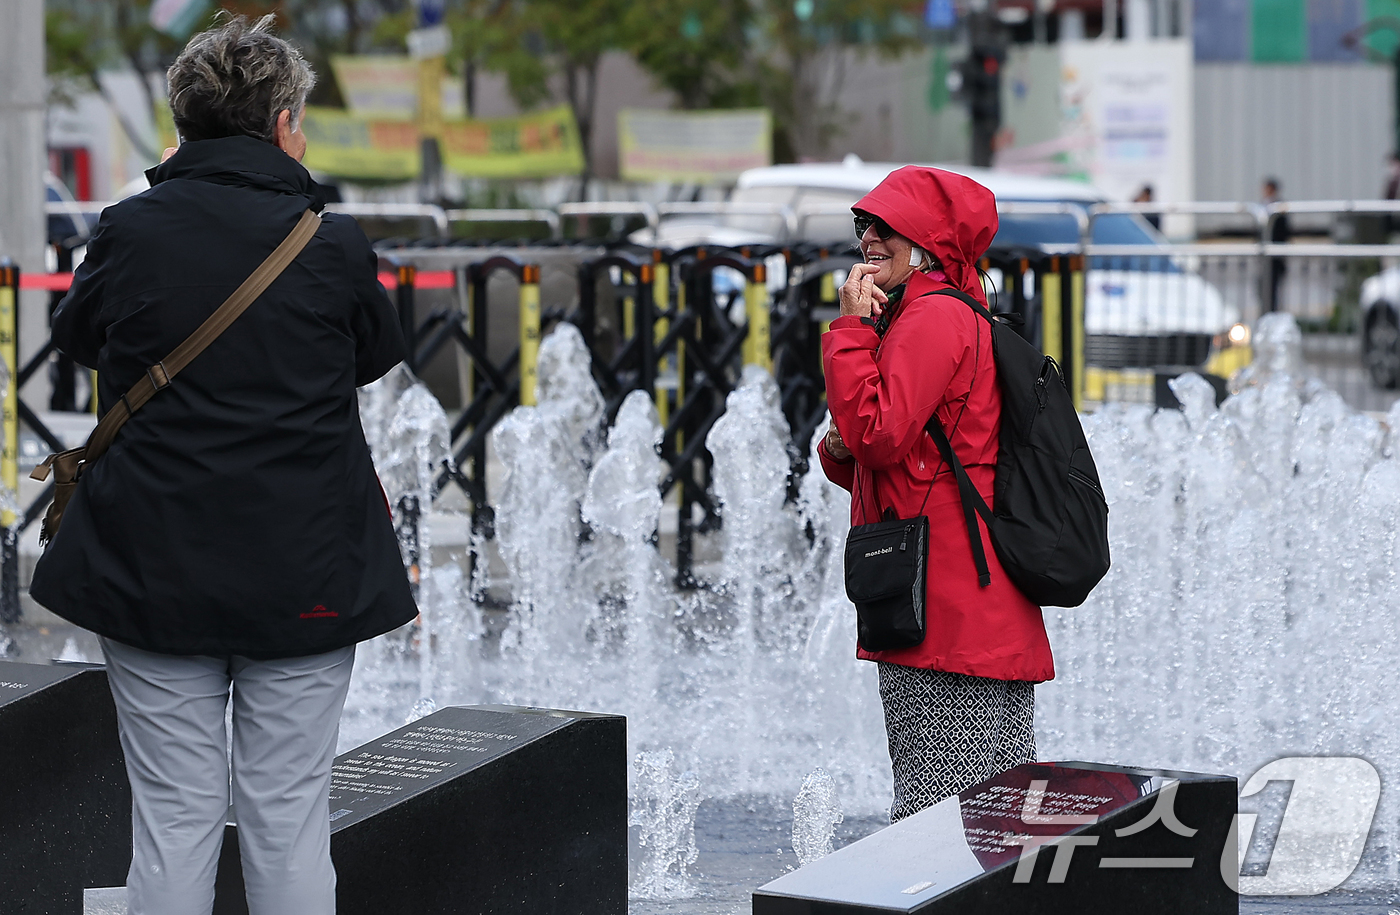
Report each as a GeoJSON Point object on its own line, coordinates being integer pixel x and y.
{"type": "Point", "coordinates": [959, 707]}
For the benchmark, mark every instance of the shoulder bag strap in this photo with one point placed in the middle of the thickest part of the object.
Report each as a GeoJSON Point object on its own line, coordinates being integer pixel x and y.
{"type": "Point", "coordinates": [158, 376]}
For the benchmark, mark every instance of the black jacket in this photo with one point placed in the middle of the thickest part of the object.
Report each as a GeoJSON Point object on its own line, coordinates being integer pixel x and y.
{"type": "Point", "coordinates": [237, 513]}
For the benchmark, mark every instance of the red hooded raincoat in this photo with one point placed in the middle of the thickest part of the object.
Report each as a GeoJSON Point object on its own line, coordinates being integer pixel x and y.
{"type": "Point", "coordinates": [936, 356]}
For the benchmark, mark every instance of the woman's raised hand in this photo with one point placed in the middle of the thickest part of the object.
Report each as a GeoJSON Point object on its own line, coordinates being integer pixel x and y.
{"type": "Point", "coordinates": [859, 294]}
{"type": "Point", "coordinates": [835, 447]}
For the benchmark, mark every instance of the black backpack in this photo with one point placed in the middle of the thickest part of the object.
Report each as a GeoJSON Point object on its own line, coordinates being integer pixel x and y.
{"type": "Point", "coordinates": [1050, 527]}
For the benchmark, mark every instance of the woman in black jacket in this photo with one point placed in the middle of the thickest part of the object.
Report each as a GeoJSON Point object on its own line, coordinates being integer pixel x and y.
{"type": "Point", "coordinates": [234, 537]}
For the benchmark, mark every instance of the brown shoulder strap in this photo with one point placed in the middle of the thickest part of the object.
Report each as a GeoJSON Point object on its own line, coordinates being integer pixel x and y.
{"type": "Point", "coordinates": [159, 375]}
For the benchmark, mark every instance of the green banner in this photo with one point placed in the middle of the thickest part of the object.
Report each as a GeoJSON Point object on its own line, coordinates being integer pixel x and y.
{"type": "Point", "coordinates": [1383, 41]}
{"type": "Point", "coordinates": [1280, 31]}
{"type": "Point", "coordinates": [537, 145]}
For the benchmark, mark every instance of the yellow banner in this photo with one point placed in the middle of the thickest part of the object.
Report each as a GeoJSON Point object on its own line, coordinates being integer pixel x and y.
{"type": "Point", "coordinates": [707, 146]}
{"type": "Point", "coordinates": [347, 146]}
{"type": "Point", "coordinates": [386, 86]}
{"type": "Point", "coordinates": [535, 145]}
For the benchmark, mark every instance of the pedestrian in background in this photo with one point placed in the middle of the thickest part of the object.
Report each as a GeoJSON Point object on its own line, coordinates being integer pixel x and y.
{"type": "Point", "coordinates": [1280, 231]}
{"type": "Point", "coordinates": [960, 706]}
{"type": "Point", "coordinates": [233, 540]}
{"type": "Point", "coordinates": [1392, 192]}
{"type": "Point", "coordinates": [1144, 195]}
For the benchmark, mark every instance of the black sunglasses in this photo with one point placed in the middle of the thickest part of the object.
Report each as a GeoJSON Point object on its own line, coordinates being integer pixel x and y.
{"type": "Point", "coordinates": [865, 221]}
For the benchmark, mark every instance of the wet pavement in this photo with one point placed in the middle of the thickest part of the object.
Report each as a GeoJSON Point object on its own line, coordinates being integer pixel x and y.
{"type": "Point", "coordinates": [743, 844]}
{"type": "Point", "coordinates": [40, 636]}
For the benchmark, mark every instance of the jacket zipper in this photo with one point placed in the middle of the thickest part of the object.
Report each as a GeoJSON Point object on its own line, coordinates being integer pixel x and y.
{"type": "Point", "coordinates": [1041, 383]}
{"type": "Point", "coordinates": [1076, 475]}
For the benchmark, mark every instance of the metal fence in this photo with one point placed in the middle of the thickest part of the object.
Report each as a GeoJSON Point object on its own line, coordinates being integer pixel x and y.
{"type": "Point", "coordinates": [1152, 311]}
{"type": "Point", "coordinates": [1118, 306]}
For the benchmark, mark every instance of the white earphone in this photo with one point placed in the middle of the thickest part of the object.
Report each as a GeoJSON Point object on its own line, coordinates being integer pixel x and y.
{"type": "Point", "coordinates": [916, 256]}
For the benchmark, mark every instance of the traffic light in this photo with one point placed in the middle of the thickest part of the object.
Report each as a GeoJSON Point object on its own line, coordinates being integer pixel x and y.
{"type": "Point", "coordinates": [981, 90]}
{"type": "Point", "coordinates": [982, 83]}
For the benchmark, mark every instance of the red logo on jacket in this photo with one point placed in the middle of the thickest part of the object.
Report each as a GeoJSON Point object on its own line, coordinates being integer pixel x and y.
{"type": "Point", "coordinates": [317, 612]}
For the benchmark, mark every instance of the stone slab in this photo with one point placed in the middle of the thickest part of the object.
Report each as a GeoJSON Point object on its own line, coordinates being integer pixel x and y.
{"type": "Point", "coordinates": [1040, 838]}
{"type": "Point", "coordinates": [476, 809]}
{"type": "Point", "coordinates": [105, 900]}
{"type": "Point", "coordinates": [65, 805]}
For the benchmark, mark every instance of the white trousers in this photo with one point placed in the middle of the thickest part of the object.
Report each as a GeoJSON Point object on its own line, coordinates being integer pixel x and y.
{"type": "Point", "coordinates": [286, 716]}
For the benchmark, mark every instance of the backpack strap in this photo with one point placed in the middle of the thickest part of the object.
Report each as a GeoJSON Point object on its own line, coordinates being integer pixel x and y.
{"type": "Point", "coordinates": [972, 502]}
{"type": "Point", "coordinates": [971, 302]}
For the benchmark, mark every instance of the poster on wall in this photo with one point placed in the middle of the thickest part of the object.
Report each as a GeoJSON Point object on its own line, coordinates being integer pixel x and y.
{"type": "Point", "coordinates": [1134, 114]}
{"type": "Point", "coordinates": [1125, 110]}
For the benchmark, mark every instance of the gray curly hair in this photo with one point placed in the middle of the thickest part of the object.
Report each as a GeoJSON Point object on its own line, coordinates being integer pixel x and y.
{"type": "Point", "coordinates": [234, 80]}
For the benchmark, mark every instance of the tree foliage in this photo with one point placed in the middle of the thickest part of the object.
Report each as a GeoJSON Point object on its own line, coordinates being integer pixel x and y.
{"type": "Point", "coordinates": [800, 53]}
{"type": "Point", "coordinates": [790, 55]}
{"type": "Point", "coordinates": [82, 40]}
{"type": "Point", "coordinates": [546, 49]}
{"type": "Point", "coordinates": [694, 48]}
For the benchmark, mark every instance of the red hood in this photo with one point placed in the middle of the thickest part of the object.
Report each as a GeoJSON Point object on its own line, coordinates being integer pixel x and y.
{"type": "Point", "coordinates": [950, 216]}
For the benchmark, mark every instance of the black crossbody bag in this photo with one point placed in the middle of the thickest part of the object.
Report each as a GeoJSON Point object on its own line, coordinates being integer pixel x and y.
{"type": "Point", "coordinates": [886, 578]}
{"type": "Point", "coordinates": [887, 563]}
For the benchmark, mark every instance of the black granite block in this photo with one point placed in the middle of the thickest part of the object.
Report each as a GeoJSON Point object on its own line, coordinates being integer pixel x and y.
{"type": "Point", "coordinates": [974, 853]}
{"type": "Point", "coordinates": [486, 809]}
{"type": "Point", "coordinates": [65, 805]}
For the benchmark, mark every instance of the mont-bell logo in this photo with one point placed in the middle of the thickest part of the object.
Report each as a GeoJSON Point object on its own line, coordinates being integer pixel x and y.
{"type": "Point", "coordinates": [888, 549]}
{"type": "Point", "coordinates": [317, 612]}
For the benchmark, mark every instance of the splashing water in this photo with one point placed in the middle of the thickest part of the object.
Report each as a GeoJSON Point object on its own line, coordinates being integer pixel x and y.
{"type": "Point", "coordinates": [410, 440]}
{"type": "Point", "coordinates": [1249, 613]}
{"type": "Point", "coordinates": [816, 812]}
{"type": "Point", "coordinates": [71, 652]}
{"type": "Point", "coordinates": [756, 678]}
{"type": "Point", "coordinates": [664, 804]}
{"type": "Point", "coordinates": [1278, 350]}
{"type": "Point", "coordinates": [622, 498]}
{"type": "Point", "coordinates": [623, 504]}
{"type": "Point", "coordinates": [1247, 616]}
{"type": "Point", "coordinates": [421, 709]}
{"type": "Point", "coordinates": [546, 451]}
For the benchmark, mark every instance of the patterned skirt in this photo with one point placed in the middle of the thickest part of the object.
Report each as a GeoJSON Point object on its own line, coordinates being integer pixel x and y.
{"type": "Point", "coordinates": [950, 731]}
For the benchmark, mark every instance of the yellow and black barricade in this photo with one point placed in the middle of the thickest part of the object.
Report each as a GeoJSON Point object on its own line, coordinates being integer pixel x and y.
{"type": "Point", "coordinates": [9, 458]}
